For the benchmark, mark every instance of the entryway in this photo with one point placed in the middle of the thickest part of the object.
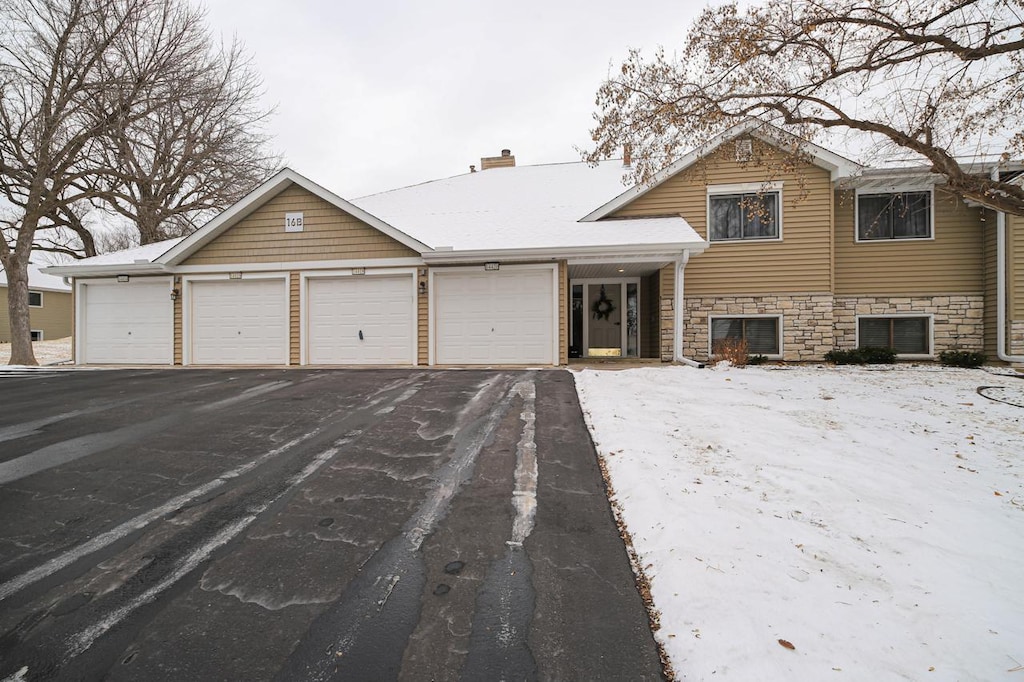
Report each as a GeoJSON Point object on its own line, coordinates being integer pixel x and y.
{"type": "Point", "coordinates": [605, 320]}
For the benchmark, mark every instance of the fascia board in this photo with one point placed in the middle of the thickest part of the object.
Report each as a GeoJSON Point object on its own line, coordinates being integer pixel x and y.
{"type": "Point", "coordinates": [608, 251]}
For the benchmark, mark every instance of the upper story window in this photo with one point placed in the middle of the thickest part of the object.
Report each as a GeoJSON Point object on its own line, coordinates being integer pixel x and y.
{"type": "Point", "coordinates": [742, 212]}
{"type": "Point", "coordinates": [894, 215]}
{"type": "Point", "coordinates": [35, 299]}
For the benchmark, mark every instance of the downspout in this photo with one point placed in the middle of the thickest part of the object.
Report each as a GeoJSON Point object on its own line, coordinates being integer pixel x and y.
{"type": "Point", "coordinates": [678, 309]}
{"type": "Point", "coordinates": [1001, 285]}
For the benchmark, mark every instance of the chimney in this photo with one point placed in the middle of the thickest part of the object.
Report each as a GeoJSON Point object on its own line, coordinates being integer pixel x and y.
{"type": "Point", "coordinates": [506, 160]}
{"type": "Point", "coordinates": [472, 168]}
{"type": "Point", "coordinates": [627, 156]}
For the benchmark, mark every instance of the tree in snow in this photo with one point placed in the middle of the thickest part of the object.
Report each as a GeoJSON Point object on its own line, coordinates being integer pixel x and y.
{"type": "Point", "coordinates": [85, 86]}
{"type": "Point", "coordinates": [935, 79]}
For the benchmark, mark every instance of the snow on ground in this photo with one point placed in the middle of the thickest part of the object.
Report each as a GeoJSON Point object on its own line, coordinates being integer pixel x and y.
{"type": "Point", "coordinates": [873, 518]}
{"type": "Point", "coordinates": [47, 352]}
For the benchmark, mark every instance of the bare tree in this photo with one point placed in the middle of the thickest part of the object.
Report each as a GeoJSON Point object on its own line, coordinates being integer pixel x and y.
{"type": "Point", "coordinates": [935, 78]}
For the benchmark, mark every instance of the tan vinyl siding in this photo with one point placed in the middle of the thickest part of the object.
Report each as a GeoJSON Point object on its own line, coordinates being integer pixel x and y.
{"type": "Point", "coordinates": [951, 263]}
{"type": "Point", "coordinates": [800, 262]}
{"type": "Point", "coordinates": [178, 324]}
{"type": "Point", "coordinates": [422, 321]}
{"type": "Point", "coordinates": [55, 319]}
{"type": "Point", "coordinates": [563, 312]}
{"type": "Point", "coordinates": [989, 259]}
{"type": "Point", "coordinates": [1015, 269]}
{"type": "Point", "coordinates": [294, 320]}
{"type": "Point", "coordinates": [666, 332]}
{"type": "Point", "coordinates": [329, 233]}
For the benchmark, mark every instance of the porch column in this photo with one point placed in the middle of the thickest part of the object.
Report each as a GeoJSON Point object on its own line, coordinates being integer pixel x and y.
{"type": "Point", "coordinates": [678, 308]}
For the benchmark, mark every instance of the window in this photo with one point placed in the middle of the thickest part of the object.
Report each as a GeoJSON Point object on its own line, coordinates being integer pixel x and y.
{"type": "Point", "coordinates": [743, 215]}
{"type": "Point", "coordinates": [37, 334]}
{"type": "Point", "coordinates": [35, 299]}
{"type": "Point", "coordinates": [894, 215]}
{"type": "Point", "coordinates": [760, 333]}
{"type": "Point", "coordinates": [905, 335]}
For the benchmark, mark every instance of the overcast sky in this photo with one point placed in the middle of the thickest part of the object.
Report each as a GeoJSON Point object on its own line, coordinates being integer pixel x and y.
{"type": "Point", "coordinates": [374, 96]}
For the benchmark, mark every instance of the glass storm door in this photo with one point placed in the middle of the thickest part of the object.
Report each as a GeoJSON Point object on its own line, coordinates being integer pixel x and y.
{"type": "Point", "coordinates": [608, 313]}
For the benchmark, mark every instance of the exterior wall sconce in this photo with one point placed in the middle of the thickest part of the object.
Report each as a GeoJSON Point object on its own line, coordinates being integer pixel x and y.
{"type": "Point", "coordinates": [423, 288]}
{"type": "Point", "coordinates": [174, 294]}
{"type": "Point", "coordinates": [122, 278]}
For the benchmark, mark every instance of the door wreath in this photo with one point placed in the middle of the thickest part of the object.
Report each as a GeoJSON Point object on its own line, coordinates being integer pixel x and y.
{"type": "Point", "coordinates": [603, 307]}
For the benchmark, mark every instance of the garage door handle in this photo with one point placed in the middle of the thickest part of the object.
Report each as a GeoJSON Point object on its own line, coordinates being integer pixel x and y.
{"type": "Point", "coordinates": [360, 334]}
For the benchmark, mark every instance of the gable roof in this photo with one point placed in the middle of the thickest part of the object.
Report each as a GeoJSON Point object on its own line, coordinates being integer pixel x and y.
{"type": "Point", "coordinates": [262, 194]}
{"type": "Point", "coordinates": [524, 210]}
{"type": "Point", "coordinates": [838, 166]}
{"type": "Point", "coordinates": [39, 280]}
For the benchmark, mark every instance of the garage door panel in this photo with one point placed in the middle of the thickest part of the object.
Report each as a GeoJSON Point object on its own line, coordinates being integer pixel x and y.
{"type": "Point", "coordinates": [381, 308]}
{"type": "Point", "coordinates": [503, 317]}
{"type": "Point", "coordinates": [128, 323]}
{"type": "Point", "coordinates": [239, 322]}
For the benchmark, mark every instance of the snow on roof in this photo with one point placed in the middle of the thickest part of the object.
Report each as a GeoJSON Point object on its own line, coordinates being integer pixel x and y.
{"type": "Point", "coordinates": [37, 279]}
{"type": "Point", "coordinates": [147, 253]}
{"type": "Point", "coordinates": [520, 208]}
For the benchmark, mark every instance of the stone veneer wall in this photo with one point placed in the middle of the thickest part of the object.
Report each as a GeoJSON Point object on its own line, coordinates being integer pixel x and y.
{"type": "Point", "coordinates": [668, 323]}
{"type": "Point", "coordinates": [807, 322]}
{"type": "Point", "coordinates": [957, 320]}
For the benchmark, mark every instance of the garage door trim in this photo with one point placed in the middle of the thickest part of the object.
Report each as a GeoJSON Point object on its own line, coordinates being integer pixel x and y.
{"type": "Point", "coordinates": [187, 300]}
{"type": "Point", "coordinates": [81, 303]}
{"type": "Point", "coordinates": [304, 278]}
{"type": "Point", "coordinates": [432, 308]}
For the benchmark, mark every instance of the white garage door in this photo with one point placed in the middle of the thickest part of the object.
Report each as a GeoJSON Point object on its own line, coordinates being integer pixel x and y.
{"type": "Point", "coordinates": [239, 322]}
{"type": "Point", "coordinates": [360, 320]}
{"type": "Point", "coordinates": [127, 322]}
{"type": "Point", "coordinates": [503, 317]}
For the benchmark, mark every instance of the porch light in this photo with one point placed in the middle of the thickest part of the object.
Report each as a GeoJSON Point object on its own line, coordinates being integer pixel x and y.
{"type": "Point", "coordinates": [423, 288]}
{"type": "Point", "coordinates": [174, 294]}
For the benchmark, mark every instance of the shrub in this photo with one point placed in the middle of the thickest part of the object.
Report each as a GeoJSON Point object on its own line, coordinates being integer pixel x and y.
{"type": "Point", "coordinates": [962, 358]}
{"type": "Point", "coordinates": [868, 355]}
{"type": "Point", "coordinates": [757, 359]}
{"type": "Point", "coordinates": [733, 350]}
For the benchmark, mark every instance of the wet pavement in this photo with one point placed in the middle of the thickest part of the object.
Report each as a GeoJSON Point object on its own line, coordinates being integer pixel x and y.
{"type": "Point", "coordinates": [308, 524]}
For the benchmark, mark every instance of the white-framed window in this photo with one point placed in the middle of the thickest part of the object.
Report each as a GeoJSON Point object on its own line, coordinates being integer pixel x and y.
{"type": "Point", "coordinates": [748, 211]}
{"type": "Point", "coordinates": [884, 216]}
{"type": "Point", "coordinates": [35, 299]}
{"type": "Point", "coordinates": [909, 335]}
{"type": "Point", "coordinates": [763, 333]}
{"type": "Point", "coordinates": [37, 334]}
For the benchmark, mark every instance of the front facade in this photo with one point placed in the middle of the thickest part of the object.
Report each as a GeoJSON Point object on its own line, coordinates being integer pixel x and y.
{"type": "Point", "coordinates": [507, 267]}
{"type": "Point", "coordinates": [50, 307]}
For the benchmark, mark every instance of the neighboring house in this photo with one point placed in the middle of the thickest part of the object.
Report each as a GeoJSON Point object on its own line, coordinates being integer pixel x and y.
{"type": "Point", "coordinates": [533, 265]}
{"type": "Point", "coordinates": [49, 306]}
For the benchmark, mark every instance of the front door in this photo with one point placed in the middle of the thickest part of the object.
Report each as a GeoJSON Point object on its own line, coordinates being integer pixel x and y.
{"type": "Point", "coordinates": [605, 318]}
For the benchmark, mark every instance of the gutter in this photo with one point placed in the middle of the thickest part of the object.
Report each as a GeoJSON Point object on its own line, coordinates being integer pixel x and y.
{"type": "Point", "coordinates": [678, 310]}
{"type": "Point", "coordinates": [106, 269]}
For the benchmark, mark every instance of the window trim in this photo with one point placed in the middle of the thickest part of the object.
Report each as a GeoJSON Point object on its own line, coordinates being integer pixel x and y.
{"type": "Point", "coordinates": [930, 355]}
{"type": "Point", "coordinates": [898, 189]}
{"type": "Point", "coordinates": [30, 292]}
{"type": "Point", "coordinates": [42, 336]}
{"type": "Point", "coordinates": [778, 331]}
{"type": "Point", "coordinates": [743, 188]}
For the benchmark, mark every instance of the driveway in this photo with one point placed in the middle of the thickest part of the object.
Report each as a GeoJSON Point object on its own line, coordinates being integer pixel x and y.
{"type": "Point", "coordinates": [308, 524]}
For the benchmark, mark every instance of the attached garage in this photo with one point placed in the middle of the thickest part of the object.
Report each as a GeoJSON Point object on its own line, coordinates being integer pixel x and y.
{"type": "Point", "coordinates": [126, 322]}
{"type": "Point", "coordinates": [238, 321]}
{"type": "Point", "coordinates": [361, 320]}
{"type": "Point", "coordinates": [500, 317]}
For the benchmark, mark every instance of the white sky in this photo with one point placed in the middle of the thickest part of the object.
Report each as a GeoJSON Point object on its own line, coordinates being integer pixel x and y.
{"type": "Point", "coordinates": [374, 96]}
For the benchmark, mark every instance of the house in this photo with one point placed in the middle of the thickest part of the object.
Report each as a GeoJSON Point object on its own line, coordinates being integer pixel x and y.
{"type": "Point", "coordinates": [532, 265]}
{"type": "Point", "coordinates": [49, 305]}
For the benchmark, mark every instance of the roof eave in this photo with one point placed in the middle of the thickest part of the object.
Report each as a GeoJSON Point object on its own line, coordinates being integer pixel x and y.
{"type": "Point", "coordinates": [611, 252]}
{"type": "Point", "coordinates": [106, 269]}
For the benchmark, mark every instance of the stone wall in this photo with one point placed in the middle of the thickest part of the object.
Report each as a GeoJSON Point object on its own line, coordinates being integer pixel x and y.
{"type": "Point", "coordinates": [668, 326]}
{"type": "Point", "coordinates": [807, 322]}
{"type": "Point", "coordinates": [957, 320]}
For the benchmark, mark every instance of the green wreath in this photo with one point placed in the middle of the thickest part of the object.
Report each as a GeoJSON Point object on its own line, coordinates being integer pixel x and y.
{"type": "Point", "coordinates": [603, 307]}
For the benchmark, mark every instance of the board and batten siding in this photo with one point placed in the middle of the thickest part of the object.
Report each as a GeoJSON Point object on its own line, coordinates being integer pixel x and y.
{"type": "Point", "coordinates": [54, 318]}
{"type": "Point", "coordinates": [951, 263]}
{"type": "Point", "coordinates": [328, 233]}
{"type": "Point", "coordinates": [800, 262]}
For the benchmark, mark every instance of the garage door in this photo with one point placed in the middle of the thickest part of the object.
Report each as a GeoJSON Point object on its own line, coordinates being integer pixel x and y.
{"type": "Point", "coordinates": [503, 317]}
{"type": "Point", "coordinates": [239, 322]}
{"type": "Point", "coordinates": [360, 320]}
{"type": "Point", "coordinates": [128, 323]}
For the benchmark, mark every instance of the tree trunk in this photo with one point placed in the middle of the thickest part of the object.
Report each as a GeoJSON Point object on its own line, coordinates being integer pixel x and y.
{"type": "Point", "coordinates": [17, 310]}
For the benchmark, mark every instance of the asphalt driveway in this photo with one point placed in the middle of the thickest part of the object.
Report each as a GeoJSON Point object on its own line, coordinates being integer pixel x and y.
{"type": "Point", "coordinates": [308, 524]}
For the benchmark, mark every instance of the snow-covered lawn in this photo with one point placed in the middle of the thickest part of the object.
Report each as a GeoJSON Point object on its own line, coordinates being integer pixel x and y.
{"type": "Point", "coordinates": [47, 352]}
{"type": "Point", "coordinates": [871, 518]}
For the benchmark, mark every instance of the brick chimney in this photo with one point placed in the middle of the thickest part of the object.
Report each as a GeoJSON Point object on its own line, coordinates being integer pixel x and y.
{"type": "Point", "coordinates": [627, 156]}
{"type": "Point", "coordinates": [506, 160]}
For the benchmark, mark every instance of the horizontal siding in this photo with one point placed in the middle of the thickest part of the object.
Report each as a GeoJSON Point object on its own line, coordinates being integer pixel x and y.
{"type": "Point", "coordinates": [989, 280]}
{"type": "Point", "coordinates": [1015, 273]}
{"type": "Point", "coordinates": [55, 318]}
{"type": "Point", "coordinates": [422, 322]}
{"type": "Point", "coordinates": [329, 233]}
{"type": "Point", "coordinates": [294, 320]}
{"type": "Point", "coordinates": [178, 337]}
{"type": "Point", "coordinates": [801, 261]}
{"type": "Point", "coordinates": [563, 312]}
{"type": "Point", "coordinates": [952, 263]}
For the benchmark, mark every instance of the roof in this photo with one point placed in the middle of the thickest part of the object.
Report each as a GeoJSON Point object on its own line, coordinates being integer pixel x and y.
{"type": "Point", "coordinates": [140, 259]}
{"type": "Point", "coordinates": [838, 166]}
{"type": "Point", "coordinates": [39, 280]}
{"type": "Point", "coordinates": [525, 208]}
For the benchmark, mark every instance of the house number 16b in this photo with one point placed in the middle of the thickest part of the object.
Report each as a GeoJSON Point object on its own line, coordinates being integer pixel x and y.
{"type": "Point", "coordinates": [293, 222]}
